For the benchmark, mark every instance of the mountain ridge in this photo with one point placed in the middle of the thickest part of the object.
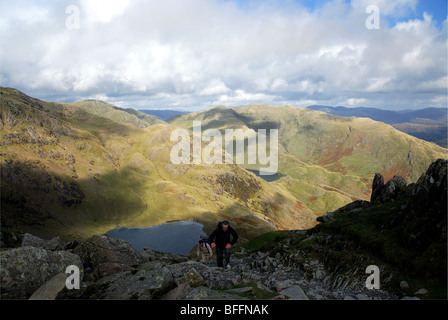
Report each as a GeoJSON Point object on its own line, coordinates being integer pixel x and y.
{"type": "Point", "coordinates": [68, 171]}
{"type": "Point", "coordinates": [59, 159]}
{"type": "Point", "coordinates": [320, 152]}
{"type": "Point", "coordinates": [429, 124]}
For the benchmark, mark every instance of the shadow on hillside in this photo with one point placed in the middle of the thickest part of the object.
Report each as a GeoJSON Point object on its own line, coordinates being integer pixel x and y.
{"type": "Point", "coordinates": [34, 198]}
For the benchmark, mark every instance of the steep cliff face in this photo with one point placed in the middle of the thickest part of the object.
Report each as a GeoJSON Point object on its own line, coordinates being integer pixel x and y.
{"type": "Point", "coordinates": [403, 228]}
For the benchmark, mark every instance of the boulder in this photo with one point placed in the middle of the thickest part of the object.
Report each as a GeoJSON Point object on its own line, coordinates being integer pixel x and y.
{"type": "Point", "coordinates": [394, 189]}
{"type": "Point", "coordinates": [294, 292]}
{"type": "Point", "coordinates": [23, 270]}
{"type": "Point", "coordinates": [404, 285]}
{"type": "Point", "coordinates": [107, 255]}
{"type": "Point", "coordinates": [140, 285]}
{"type": "Point", "coordinates": [178, 293]}
{"type": "Point", "coordinates": [377, 187]}
{"type": "Point", "coordinates": [193, 278]}
{"type": "Point", "coordinates": [30, 240]}
{"type": "Point", "coordinates": [50, 289]}
{"type": "Point", "coordinates": [421, 291]}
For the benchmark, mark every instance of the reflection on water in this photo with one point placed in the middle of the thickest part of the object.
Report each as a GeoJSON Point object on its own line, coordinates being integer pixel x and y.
{"type": "Point", "coordinates": [174, 237]}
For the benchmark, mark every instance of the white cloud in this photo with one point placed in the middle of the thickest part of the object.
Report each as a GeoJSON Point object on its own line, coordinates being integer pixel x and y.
{"type": "Point", "coordinates": [355, 101]}
{"type": "Point", "coordinates": [198, 53]}
{"type": "Point", "coordinates": [103, 10]}
{"type": "Point", "coordinates": [387, 7]}
{"type": "Point", "coordinates": [241, 97]}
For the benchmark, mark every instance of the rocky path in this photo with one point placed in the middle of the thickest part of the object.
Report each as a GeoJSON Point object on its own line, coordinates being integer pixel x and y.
{"type": "Point", "coordinates": [112, 269]}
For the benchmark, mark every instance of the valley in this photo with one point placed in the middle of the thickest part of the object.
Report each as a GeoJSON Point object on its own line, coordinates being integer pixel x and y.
{"type": "Point", "coordinates": [79, 169]}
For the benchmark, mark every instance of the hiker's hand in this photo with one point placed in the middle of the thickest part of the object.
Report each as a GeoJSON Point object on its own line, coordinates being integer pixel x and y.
{"type": "Point", "coordinates": [211, 256]}
{"type": "Point", "coordinates": [213, 244]}
{"type": "Point", "coordinates": [228, 246]}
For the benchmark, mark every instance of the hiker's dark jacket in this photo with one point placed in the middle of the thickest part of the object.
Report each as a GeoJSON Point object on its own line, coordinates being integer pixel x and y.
{"type": "Point", "coordinates": [223, 238]}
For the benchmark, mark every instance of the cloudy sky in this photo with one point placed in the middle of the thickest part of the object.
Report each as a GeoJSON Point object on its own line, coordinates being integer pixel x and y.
{"type": "Point", "coordinates": [195, 54]}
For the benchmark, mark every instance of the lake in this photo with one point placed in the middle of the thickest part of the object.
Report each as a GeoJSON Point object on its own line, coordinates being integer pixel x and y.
{"type": "Point", "coordinates": [267, 178]}
{"type": "Point", "coordinates": [174, 237]}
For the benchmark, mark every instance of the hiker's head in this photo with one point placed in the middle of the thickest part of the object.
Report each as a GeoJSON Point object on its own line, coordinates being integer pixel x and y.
{"type": "Point", "coordinates": [201, 243]}
{"type": "Point", "coordinates": [225, 225]}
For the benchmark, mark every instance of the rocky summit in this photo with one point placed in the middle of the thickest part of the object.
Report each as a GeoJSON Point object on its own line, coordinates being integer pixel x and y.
{"type": "Point", "coordinates": [403, 237]}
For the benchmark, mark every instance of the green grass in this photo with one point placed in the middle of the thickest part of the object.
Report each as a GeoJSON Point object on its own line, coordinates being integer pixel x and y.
{"type": "Point", "coordinates": [264, 241]}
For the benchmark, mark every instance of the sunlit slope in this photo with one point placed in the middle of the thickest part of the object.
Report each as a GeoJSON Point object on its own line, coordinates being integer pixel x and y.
{"type": "Point", "coordinates": [109, 111]}
{"type": "Point", "coordinates": [327, 161]}
{"type": "Point", "coordinates": [69, 172]}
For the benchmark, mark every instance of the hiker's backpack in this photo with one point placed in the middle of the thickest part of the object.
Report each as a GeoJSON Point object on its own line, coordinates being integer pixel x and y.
{"type": "Point", "coordinates": [205, 240]}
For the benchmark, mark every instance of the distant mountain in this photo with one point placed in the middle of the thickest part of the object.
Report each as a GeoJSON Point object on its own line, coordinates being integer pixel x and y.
{"type": "Point", "coordinates": [436, 116]}
{"type": "Point", "coordinates": [163, 114]}
{"type": "Point", "coordinates": [429, 124]}
{"type": "Point", "coordinates": [109, 111]}
{"type": "Point", "coordinates": [78, 169]}
{"type": "Point", "coordinates": [325, 161]}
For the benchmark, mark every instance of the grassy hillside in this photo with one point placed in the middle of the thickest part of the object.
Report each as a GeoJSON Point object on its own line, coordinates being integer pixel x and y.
{"type": "Point", "coordinates": [109, 111]}
{"type": "Point", "coordinates": [326, 160]}
{"type": "Point", "coordinates": [428, 124]}
{"type": "Point", "coordinates": [69, 172]}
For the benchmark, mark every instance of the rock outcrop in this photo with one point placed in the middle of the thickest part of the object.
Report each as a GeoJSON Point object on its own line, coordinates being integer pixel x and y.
{"type": "Point", "coordinates": [392, 190]}
{"type": "Point", "coordinates": [26, 269]}
{"type": "Point", "coordinates": [112, 269]}
{"type": "Point", "coordinates": [105, 255]}
{"type": "Point", "coordinates": [405, 225]}
{"type": "Point", "coordinates": [30, 240]}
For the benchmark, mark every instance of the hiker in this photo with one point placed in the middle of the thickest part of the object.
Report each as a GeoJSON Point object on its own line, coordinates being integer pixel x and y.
{"type": "Point", "coordinates": [220, 239]}
{"type": "Point", "coordinates": [204, 249]}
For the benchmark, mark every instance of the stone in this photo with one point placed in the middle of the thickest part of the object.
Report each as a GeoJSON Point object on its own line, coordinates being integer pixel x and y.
{"type": "Point", "coordinates": [50, 289]}
{"type": "Point", "coordinates": [404, 285]}
{"type": "Point", "coordinates": [114, 254]}
{"type": "Point", "coordinates": [141, 285]}
{"type": "Point", "coordinates": [109, 268]}
{"type": "Point", "coordinates": [72, 245]}
{"type": "Point", "coordinates": [377, 186]}
{"type": "Point", "coordinates": [319, 274]}
{"type": "Point", "coordinates": [25, 269]}
{"type": "Point", "coordinates": [193, 278]}
{"type": "Point", "coordinates": [421, 291]}
{"type": "Point", "coordinates": [30, 240]}
{"type": "Point", "coordinates": [294, 292]}
{"type": "Point", "coordinates": [281, 285]}
{"type": "Point", "coordinates": [361, 296]}
{"type": "Point", "coordinates": [392, 190]}
{"type": "Point", "coordinates": [178, 293]}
